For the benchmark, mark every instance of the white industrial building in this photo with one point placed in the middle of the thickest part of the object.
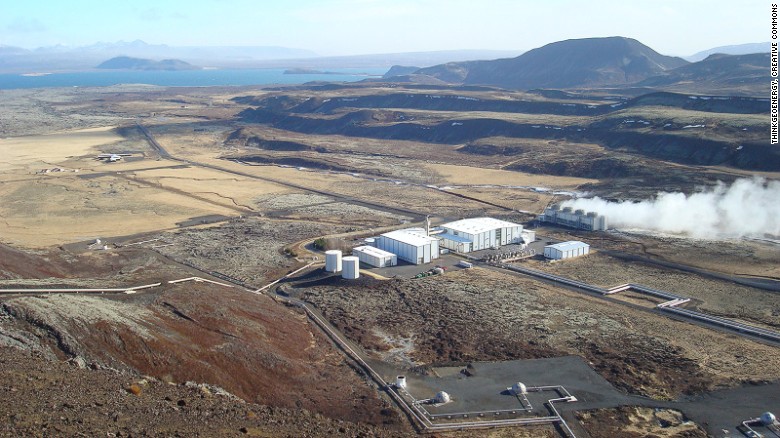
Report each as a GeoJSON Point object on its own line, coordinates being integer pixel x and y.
{"type": "Point", "coordinates": [412, 245]}
{"type": "Point", "coordinates": [468, 235]}
{"type": "Point", "coordinates": [566, 250]}
{"type": "Point", "coordinates": [374, 256]}
{"type": "Point", "coordinates": [568, 217]}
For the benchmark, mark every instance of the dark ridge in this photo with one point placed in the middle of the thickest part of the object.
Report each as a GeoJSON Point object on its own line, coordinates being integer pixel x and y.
{"type": "Point", "coordinates": [714, 104]}
{"type": "Point", "coordinates": [588, 62]}
{"type": "Point", "coordinates": [677, 148]}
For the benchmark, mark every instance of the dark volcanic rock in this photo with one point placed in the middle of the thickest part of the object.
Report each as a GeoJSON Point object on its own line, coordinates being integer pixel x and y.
{"type": "Point", "coordinates": [565, 64]}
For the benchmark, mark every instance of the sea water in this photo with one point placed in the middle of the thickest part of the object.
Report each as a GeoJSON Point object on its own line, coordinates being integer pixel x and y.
{"type": "Point", "coordinates": [183, 78]}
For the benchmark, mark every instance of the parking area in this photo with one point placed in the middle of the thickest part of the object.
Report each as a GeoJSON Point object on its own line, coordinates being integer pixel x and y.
{"type": "Point", "coordinates": [408, 270]}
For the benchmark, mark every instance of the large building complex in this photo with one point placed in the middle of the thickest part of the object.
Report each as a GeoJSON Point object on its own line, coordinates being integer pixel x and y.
{"type": "Point", "coordinates": [576, 219]}
{"type": "Point", "coordinates": [413, 245]}
{"type": "Point", "coordinates": [475, 234]}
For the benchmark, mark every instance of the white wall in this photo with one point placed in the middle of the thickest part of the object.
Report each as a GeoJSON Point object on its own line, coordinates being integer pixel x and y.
{"type": "Point", "coordinates": [412, 254]}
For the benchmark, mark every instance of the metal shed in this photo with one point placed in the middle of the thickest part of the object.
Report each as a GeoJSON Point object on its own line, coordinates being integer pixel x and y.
{"type": "Point", "coordinates": [566, 250]}
{"type": "Point", "coordinates": [374, 256]}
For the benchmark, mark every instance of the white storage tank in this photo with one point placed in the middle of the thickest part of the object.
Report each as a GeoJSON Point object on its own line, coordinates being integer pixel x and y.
{"type": "Point", "coordinates": [400, 382]}
{"type": "Point", "coordinates": [350, 268]}
{"type": "Point", "coordinates": [370, 242]}
{"type": "Point", "coordinates": [768, 418]}
{"type": "Point", "coordinates": [333, 260]}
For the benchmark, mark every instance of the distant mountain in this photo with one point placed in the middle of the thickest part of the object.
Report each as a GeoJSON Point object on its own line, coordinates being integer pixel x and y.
{"type": "Point", "coordinates": [589, 62]}
{"type": "Point", "coordinates": [86, 57]}
{"type": "Point", "coordinates": [399, 70]}
{"type": "Point", "coordinates": [387, 60]}
{"type": "Point", "coordinates": [740, 49]}
{"type": "Point", "coordinates": [11, 50]}
{"type": "Point", "coordinates": [128, 63]}
{"type": "Point", "coordinates": [716, 74]}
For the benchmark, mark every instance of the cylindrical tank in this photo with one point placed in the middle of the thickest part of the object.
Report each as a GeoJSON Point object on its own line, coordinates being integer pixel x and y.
{"type": "Point", "coordinates": [768, 418]}
{"type": "Point", "coordinates": [371, 241]}
{"type": "Point", "coordinates": [350, 267]}
{"type": "Point", "coordinates": [333, 260]}
{"type": "Point", "coordinates": [579, 212]}
{"type": "Point", "coordinates": [519, 388]}
{"type": "Point", "coordinates": [400, 382]}
{"type": "Point", "coordinates": [567, 209]}
{"type": "Point", "coordinates": [556, 207]}
{"type": "Point", "coordinates": [442, 397]}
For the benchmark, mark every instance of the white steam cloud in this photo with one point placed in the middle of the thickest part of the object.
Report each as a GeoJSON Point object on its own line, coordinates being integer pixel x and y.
{"type": "Point", "coordinates": [749, 207]}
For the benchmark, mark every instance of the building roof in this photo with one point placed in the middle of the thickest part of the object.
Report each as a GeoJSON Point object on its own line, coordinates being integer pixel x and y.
{"type": "Point", "coordinates": [454, 238]}
{"type": "Point", "coordinates": [479, 225]}
{"type": "Point", "coordinates": [410, 237]}
{"type": "Point", "coordinates": [568, 246]}
{"type": "Point", "coordinates": [376, 252]}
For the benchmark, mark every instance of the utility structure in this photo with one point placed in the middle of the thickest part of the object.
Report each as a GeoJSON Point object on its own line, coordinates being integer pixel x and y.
{"type": "Point", "coordinates": [566, 250]}
{"type": "Point", "coordinates": [569, 217]}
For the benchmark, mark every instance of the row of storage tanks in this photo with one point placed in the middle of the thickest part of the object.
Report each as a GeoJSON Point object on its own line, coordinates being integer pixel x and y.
{"type": "Point", "coordinates": [348, 266]}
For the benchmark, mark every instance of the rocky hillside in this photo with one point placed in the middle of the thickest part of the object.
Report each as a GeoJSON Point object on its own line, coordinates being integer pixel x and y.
{"type": "Point", "coordinates": [261, 351]}
{"type": "Point", "coordinates": [590, 62]}
{"type": "Point", "coordinates": [718, 71]}
{"type": "Point", "coordinates": [57, 398]}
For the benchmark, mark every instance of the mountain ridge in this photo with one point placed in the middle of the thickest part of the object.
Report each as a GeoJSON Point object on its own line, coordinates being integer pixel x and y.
{"type": "Point", "coordinates": [570, 63]}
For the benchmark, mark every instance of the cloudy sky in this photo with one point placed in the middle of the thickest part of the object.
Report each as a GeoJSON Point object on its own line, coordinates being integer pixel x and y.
{"type": "Point", "coordinates": [348, 27]}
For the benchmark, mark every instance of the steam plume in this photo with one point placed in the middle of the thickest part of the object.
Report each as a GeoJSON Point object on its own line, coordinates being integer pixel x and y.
{"type": "Point", "coordinates": [749, 207]}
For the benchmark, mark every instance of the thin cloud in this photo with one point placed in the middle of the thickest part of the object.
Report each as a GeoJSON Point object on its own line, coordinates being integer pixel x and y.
{"type": "Point", "coordinates": [26, 25]}
{"type": "Point", "coordinates": [155, 14]}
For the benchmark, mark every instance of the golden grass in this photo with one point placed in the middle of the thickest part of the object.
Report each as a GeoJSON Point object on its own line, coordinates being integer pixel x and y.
{"type": "Point", "coordinates": [467, 175]}
{"type": "Point", "coordinates": [31, 153]}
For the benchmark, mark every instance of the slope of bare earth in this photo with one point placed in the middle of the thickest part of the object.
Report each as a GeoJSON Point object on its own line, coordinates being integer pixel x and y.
{"type": "Point", "coordinates": [489, 315]}
{"type": "Point", "coordinates": [260, 350]}
{"type": "Point", "coordinates": [55, 398]}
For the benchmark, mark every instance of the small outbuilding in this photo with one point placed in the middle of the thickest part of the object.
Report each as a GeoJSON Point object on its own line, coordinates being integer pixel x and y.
{"type": "Point", "coordinates": [375, 257]}
{"type": "Point", "coordinates": [566, 250]}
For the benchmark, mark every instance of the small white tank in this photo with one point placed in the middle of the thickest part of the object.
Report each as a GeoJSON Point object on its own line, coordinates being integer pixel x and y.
{"type": "Point", "coordinates": [370, 241]}
{"type": "Point", "coordinates": [442, 397]}
{"type": "Point", "coordinates": [519, 388]}
{"type": "Point", "coordinates": [351, 268]}
{"type": "Point", "coordinates": [400, 382]}
{"type": "Point", "coordinates": [333, 260]}
{"type": "Point", "coordinates": [768, 418]}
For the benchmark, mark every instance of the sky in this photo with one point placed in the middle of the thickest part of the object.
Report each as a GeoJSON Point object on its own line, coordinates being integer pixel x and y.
{"type": "Point", "coordinates": [351, 27]}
